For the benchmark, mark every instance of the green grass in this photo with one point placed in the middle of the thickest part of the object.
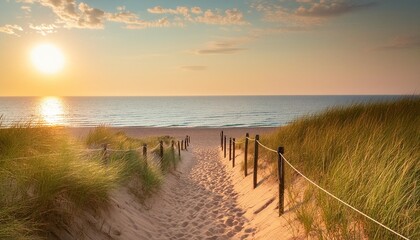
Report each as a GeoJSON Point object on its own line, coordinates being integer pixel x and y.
{"type": "Point", "coordinates": [37, 193]}
{"type": "Point", "coordinates": [367, 155]}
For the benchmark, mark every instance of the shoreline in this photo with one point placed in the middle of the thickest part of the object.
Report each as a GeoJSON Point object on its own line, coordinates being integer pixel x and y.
{"type": "Point", "coordinates": [209, 135]}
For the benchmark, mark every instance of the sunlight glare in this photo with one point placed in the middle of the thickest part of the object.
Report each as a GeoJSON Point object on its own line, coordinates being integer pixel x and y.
{"type": "Point", "coordinates": [47, 58]}
{"type": "Point", "coordinates": [51, 110]}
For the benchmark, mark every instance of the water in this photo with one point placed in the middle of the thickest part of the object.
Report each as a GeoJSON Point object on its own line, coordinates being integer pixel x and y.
{"type": "Point", "coordinates": [226, 111]}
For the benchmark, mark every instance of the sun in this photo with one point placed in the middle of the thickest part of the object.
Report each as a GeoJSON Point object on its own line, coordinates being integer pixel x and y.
{"type": "Point", "coordinates": [47, 58]}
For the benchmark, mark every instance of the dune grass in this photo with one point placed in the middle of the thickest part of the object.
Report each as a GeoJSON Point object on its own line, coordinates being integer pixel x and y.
{"type": "Point", "coordinates": [45, 179]}
{"type": "Point", "coordinates": [367, 155]}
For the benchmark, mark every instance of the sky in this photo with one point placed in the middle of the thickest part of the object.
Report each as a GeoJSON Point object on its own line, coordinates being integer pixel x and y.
{"type": "Point", "coordinates": [212, 47]}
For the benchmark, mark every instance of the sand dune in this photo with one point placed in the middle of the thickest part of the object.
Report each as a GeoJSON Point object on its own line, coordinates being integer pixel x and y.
{"type": "Point", "coordinates": [205, 198]}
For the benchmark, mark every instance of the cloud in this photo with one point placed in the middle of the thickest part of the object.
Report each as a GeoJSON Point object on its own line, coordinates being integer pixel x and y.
{"type": "Point", "coordinates": [43, 29]}
{"type": "Point", "coordinates": [215, 17]}
{"type": "Point", "coordinates": [70, 14]}
{"type": "Point", "coordinates": [401, 42]}
{"type": "Point", "coordinates": [307, 12]}
{"type": "Point", "coordinates": [225, 46]}
{"type": "Point", "coordinates": [325, 8]}
{"type": "Point", "coordinates": [11, 29]}
{"type": "Point", "coordinates": [230, 17]}
{"type": "Point", "coordinates": [26, 9]}
{"type": "Point", "coordinates": [193, 68]}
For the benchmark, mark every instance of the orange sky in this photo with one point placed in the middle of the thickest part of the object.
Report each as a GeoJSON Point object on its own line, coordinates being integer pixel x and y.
{"type": "Point", "coordinates": [265, 47]}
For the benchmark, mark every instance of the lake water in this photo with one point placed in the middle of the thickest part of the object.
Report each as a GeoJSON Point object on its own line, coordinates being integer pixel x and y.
{"type": "Point", "coordinates": [215, 111]}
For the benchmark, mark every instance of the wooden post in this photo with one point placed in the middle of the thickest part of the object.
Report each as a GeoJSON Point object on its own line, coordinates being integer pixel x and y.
{"type": "Point", "coordinates": [221, 140]}
{"type": "Point", "coordinates": [104, 154]}
{"type": "Point", "coordinates": [179, 150]}
{"type": "Point", "coordinates": [246, 155]}
{"type": "Point", "coordinates": [233, 154]}
{"type": "Point", "coordinates": [173, 147]}
{"type": "Point", "coordinates": [145, 152]}
{"type": "Point", "coordinates": [230, 149]}
{"type": "Point", "coordinates": [182, 144]}
{"type": "Point", "coordinates": [280, 167]}
{"type": "Point", "coordinates": [257, 137]}
{"type": "Point", "coordinates": [185, 142]}
{"type": "Point", "coordinates": [224, 145]}
{"type": "Point", "coordinates": [161, 149]}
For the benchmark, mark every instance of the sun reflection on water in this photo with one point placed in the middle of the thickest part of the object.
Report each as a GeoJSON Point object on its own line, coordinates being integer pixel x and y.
{"type": "Point", "coordinates": [51, 110]}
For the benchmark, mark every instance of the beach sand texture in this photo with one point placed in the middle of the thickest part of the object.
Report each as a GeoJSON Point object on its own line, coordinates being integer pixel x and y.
{"type": "Point", "coordinates": [204, 198]}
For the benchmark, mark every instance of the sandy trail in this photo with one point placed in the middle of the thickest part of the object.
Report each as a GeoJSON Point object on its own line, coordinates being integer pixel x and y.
{"type": "Point", "coordinates": [202, 204]}
{"type": "Point", "coordinates": [204, 198]}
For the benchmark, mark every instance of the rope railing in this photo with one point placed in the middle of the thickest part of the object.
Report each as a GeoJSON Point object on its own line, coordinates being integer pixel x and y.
{"type": "Point", "coordinates": [282, 159]}
{"type": "Point", "coordinates": [105, 150]}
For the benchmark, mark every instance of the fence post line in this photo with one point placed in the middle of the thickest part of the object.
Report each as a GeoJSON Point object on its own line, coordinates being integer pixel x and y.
{"type": "Point", "coordinates": [230, 148]}
{"type": "Point", "coordinates": [280, 167]}
{"type": "Point", "coordinates": [161, 150]}
{"type": "Point", "coordinates": [233, 153]}
{"type": "Point", "coordinates": [145, 152]}
{"type": "Point", "coordinates": [257, 137]}
{"type": "Point", "coordinates": [182, 144]}
{"type": "Point", "coordinates": [179, 150]}
{"type": "Point", "coordinates": [246, 155]}
{"type": "Point", "coordinates": [224, 145]}
{"type": "Point", "coordinates": [221, 140]}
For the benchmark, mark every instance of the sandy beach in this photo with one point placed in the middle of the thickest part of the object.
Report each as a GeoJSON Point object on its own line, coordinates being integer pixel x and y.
{"type": "Point", "coordinates": [204, 198]}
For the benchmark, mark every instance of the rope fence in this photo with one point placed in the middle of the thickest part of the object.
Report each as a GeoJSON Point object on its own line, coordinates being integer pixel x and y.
{"type": "Point", "coordinates": [281, 175]}
{"type": "Point", "coordinates": [105, 151]}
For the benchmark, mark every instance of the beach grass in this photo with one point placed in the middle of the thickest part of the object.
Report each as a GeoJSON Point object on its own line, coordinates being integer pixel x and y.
{"type": "Point", "coordinates": [366, 154]}
{"type": "Point", "coordinates": [46, 179]}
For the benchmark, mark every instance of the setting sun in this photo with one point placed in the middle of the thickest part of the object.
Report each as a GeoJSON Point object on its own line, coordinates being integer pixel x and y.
{"type": "Point", "coordinates": [47, 58]}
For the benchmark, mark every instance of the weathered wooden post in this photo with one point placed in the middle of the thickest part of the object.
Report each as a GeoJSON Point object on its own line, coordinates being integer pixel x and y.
{"type": "Point", "coordinates": [230, 149]}
{"type": "Point", "coordinates": [173, 147]}
{"type": "Point", "coordinates": [257, 137]}
{"type": "Point", "coordinates": [161, 149]}
{"type": "Point", "coordinates": [104, 153]}
{"type": "Point", "coordinates": [233, 154]}
{"type": "Point", "coordinates": [185, 142]}
{"type": "Point", "coordinates": [224, 145]}
{"type": "Point", "coordinates": [145, 152]}
{"type": "Point", "coordinates": [179, 149]}
{"type": "Point", "coordinates": [221, 140]}
{"type": "Point", "coordinates": [182, 144]}
{"type": "Point", "coordinates": [280, 167]}
{"type": "Point", "coordinates": [246, 154]}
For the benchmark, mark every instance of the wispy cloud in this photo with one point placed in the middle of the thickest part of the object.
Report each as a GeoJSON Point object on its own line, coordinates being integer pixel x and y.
{"type": "Point", "coordinates": [401, 42]}
{"type": "Point", "coordinates": [193, 68]}
{"type": "Point", "coordinates": [11, 29]}
{"type": "Point", "coordinates": [43, 29]}
{"type": "Point", "coordinates": [224, 46]}
{"type": "Point", "coordinates": [307, 12]}
{"type": "Point", "coordinates": [209, 16]}
{"type": "Point", "coordinates": [325, 8]}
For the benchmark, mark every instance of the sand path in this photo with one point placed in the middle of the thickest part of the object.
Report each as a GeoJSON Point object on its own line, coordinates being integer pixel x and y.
{"type": "Point", "coordinates": [201, 204]}
{"type": "Point", "coordinates": [204, 198]}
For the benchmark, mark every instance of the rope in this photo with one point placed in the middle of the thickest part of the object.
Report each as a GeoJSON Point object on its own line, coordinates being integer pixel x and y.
{"type": "Point", "coordinates": [269, 149]}
{"type": "Point", "coordinates": [330, 194]}
{"type": "Point", "coordinates": [251, 139]}
{"type": "Point", "coordinates": [154, 148]}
